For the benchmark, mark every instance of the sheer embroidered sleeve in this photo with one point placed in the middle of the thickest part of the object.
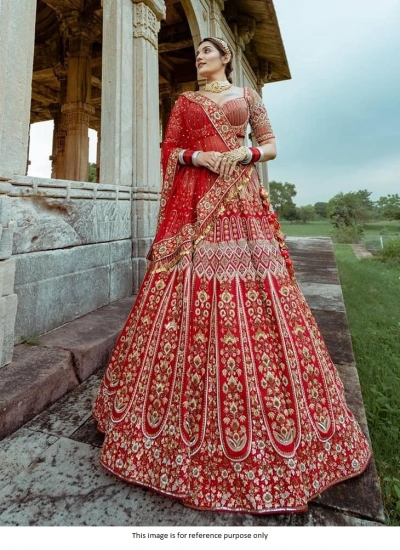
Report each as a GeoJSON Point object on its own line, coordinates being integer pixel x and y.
{"type": "Point", "coordinates": [174, 134]}
{"type": "Point", "coordinates": [171, 146]}
{"type": "Point", "coordinates": [259, 120]}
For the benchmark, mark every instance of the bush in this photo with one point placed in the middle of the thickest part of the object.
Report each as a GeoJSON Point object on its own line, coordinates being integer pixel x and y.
{"type": "Point", "coordinates": [391, 252]}
{"type": "Point", "coordinates": [348, 234]}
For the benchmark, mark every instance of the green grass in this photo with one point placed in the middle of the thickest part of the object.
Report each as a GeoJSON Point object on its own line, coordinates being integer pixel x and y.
{"type": "Point", "coordinates": [372, 297]}
{"type": "Point", "coordinates": [374, 230]}
{"type": "Point", "coordinates": [321, 228]}
{"type": "Point", "coordinates": [371, 292]}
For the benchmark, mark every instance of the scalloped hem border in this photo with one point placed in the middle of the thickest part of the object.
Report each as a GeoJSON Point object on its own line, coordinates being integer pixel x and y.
{"type": "Point", "coordinates": [295, 510]}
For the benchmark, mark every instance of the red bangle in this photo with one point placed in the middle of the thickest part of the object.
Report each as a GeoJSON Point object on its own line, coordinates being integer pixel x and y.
{"type": "Point", "coordinates": [187, 156]}
{"type": "Point", "coordinates": [256, 154]}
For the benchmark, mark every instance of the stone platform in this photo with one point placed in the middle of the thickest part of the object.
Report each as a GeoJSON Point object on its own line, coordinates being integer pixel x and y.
{"type": "Point", "coordinates": [49, 471]}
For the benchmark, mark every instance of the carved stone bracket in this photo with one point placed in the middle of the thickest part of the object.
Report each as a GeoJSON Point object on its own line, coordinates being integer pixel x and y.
{"type": "Point", "coordinates": [264, 71]}
{"type": "Point", "coordinates": [246, 28]}
{"type": "Point", "coordinates": [77, 115]}
{"type": "Point", "coordinates": [156, 6]}
{"type": "Point", "coordinates": [145, 24]}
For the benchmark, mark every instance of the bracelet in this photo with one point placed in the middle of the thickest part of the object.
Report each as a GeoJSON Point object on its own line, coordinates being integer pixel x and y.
{"type": "Point", "coordinates": [188, 156]}
{"type": "Point", "coordinates": [194, 158]}
{"type": "Point", "coordinates": [180, 156]}
{"type": "Point", "coordinates": [249, 156]}
{"type": "Point", "coordinates": [254, 154]}
{"type": "Point", "coordinates": [185, 156]}
{"type": "Point", "coordinates": [261, 154]}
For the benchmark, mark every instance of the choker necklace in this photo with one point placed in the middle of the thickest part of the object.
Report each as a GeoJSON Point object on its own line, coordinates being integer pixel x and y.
{"type": "Point", "coordinates": [218, 86]}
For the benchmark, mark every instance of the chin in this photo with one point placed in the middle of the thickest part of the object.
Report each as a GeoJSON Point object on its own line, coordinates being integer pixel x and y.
{"type": "Point", "coordinates": [203, 73]}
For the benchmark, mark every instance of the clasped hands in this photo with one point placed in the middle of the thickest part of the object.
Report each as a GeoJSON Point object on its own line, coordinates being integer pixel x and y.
{"type": "Point", "coordinates": [222, 163]}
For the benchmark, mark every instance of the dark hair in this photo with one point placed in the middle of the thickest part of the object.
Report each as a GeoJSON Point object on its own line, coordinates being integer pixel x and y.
{"type": "Point", "coordinates": [228, 67]}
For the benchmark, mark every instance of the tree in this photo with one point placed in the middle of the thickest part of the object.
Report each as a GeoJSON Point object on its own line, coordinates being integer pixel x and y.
{"type": "Point", "coordinates": [389, 207]}
{"type": "Point", "coordinates": [350, 209]}
{"type": "Point", "coordinates": [289, 212]}
{"type": "Point", "coordinates": [281, 196]}
{"type": "Point", "coordinates": [321, 209]}
{"type": "Point", "coordinates": [306, 213]}
{"type": "Point", "coordinates": [92, 176]}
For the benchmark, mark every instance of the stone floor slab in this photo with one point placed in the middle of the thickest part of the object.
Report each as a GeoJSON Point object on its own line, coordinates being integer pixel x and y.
{"type": "Point", "coordinates": [65, 487]}
{"type": "Point", "coordinates": [88, 433]}
{"type": "Point", "coordinates": [335, 331]}
{"type": "Point", "coordinates": [70, 412]}
{"type": "Point", "coordinates": [306, 273]}
{"type": "Point", "coordinates": [19, 450]}
{"type": "Point", "coordinates": [323, 296]}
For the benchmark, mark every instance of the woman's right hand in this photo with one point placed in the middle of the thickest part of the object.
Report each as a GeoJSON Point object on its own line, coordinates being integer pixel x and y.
{"type": "Point", "coordinates": [208, 159]}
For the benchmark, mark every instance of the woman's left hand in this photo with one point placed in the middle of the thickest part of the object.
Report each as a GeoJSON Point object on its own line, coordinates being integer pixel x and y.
{"type": "Point", "coordinates": [226, 163]}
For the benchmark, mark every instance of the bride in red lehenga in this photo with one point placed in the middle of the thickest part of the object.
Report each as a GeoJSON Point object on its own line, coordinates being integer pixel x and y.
{"type": "Point", "coordinates": [220, 390]}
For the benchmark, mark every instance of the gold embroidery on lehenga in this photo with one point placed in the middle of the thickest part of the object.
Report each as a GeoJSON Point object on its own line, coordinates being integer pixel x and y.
{"type": "Point", "coordinates": [220, 390]}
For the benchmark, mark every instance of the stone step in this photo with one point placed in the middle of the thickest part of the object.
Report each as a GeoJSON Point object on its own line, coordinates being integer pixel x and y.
{"type": "Point", "coordinates": [39, 375]}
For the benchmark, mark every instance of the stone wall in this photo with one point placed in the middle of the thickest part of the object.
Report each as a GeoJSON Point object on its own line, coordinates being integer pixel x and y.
{"type": "Point", "coordinates": [8, 299]}
{"type": "Point", "coordinates": [72, 249]}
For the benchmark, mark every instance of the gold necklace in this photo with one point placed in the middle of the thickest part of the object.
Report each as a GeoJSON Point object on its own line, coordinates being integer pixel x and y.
{"type": "Point", "coordinates": [217, 86]}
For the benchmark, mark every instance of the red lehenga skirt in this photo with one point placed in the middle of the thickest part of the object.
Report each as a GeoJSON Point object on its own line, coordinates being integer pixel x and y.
{"type": "Point", "coordinates": [220, 390]}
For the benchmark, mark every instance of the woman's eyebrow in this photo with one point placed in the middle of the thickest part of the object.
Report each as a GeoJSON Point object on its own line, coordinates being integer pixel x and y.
{"type": "Point", "coordinates": [202, 48]}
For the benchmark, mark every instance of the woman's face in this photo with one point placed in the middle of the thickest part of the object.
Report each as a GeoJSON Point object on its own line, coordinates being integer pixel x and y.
{"type": "Point", "coordinates": [209, 60]}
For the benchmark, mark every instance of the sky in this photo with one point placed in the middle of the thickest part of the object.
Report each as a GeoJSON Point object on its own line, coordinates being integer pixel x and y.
{"type": "Point", "coordinates": [337, 121]}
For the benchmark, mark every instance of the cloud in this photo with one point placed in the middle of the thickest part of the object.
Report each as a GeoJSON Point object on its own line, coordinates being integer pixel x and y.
{"type": "Point", "coordinates": [337, 122]}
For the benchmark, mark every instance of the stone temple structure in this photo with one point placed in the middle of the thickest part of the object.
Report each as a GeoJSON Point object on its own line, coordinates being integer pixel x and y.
{"type": "Point", "coordinates": [67, 246]}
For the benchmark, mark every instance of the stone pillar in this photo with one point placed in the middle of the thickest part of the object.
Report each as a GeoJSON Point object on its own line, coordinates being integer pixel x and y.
{"type": "Point", "coordinates": [263, 77]}
{"type": "Point", "coordinates": [58, 169]}
{"type": "Point", "coordinates": [98, 152]}
{"type": "Point", "coordinates": [17, 35]}
{"type": "Point", "coordinates": [118, 79]}
{"type": "Point", "coordinates": [28, 162]}
{"type": "Point", "coordinates": [238, 75]}
{"type": "Point", "coordinates": [77, 109]}
{"type": "Point", "coordinates": [146, 131]}
{"type": "Point", "coordinates": [166, 106]}
{"type": "Point", "coordinates": [55, 111]}
{"type": "Point", "coordinates": [216, 6]}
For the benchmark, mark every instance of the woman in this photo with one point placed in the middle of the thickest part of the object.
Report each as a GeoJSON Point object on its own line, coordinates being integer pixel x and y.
{"type": "Point", "coordinates": [220, 390]}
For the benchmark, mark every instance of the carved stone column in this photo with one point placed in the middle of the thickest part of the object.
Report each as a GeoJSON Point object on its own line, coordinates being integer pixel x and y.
{"type": "Point", "coordinates": [55, 111]}
{"type": "Point", "coordinates": [146, 136]}
{"type": "Point", "coordinates": [17, 35]}
{"type": "Point", "coordinates": [118, 79]}
{"type": "Point", "coordinates": [59, 132]}
{"type": "Point", "coordinates": [77, 110]}
{"type": "Point", "coordinates": [97, 127]}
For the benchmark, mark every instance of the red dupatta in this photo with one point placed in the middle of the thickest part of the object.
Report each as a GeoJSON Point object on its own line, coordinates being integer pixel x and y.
{"type": "Point", "coordinates": [190, 228]}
